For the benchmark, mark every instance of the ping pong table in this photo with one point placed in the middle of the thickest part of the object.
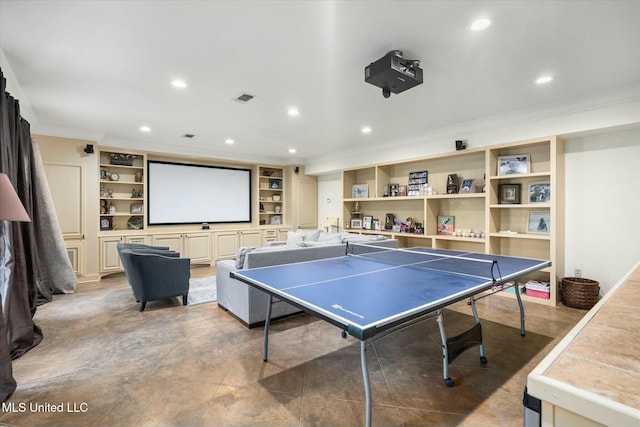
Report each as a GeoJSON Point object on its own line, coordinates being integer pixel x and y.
{"type": "Point", "coordinates": [381, 290]}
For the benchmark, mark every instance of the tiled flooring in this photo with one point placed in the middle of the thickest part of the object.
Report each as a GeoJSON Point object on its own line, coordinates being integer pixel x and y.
{"type": "Point", "coordinates": [107, 364]}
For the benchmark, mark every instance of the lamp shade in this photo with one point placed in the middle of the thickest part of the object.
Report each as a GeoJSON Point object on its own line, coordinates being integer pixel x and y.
{"type": "Point", "coordinates": [11, 208]}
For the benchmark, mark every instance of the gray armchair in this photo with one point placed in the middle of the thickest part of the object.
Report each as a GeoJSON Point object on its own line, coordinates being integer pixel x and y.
{"type": "Point", "coordinates": [156, 274]}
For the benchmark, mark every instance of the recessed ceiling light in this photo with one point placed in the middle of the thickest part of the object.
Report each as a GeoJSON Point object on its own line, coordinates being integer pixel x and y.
{"type": "Point", "coordinates": [366, 129]}
{"type": "Point", "coordinates": [480, 24]}
{"type": "Point", "coordinates": [292, 150]}
{"type": "Point", "coordinates": [178, 83]}
{"type": "Point", "coordinates": [293, 112]}
{"type": "Point", "coordinates": [543, 79]}
{"type": "Point", "coordinates": [145, 129]}
{"type": "Point", "coordinates": [229, 141]}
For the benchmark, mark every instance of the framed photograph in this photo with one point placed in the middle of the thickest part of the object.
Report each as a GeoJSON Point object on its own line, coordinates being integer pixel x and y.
{"type": "Point", "coordinates": [402, 190]}
{"type": "Point", "coordinates": [366, 222]}
{"type": "Point", "coordinates": [356, 223]}
{"type": "Point", "coordinates": [446, 224]}
{"type": "Point", "coordinates": [539, 222]}
{"type": "Point", "coordinates": [416, 181]}
{"type": "Point", "coordinates": [392, 190]}
{"type": "Point", "coordinates": [509, 194]}
{"type": "Point", "coordinates": [275, 184]}
{"type": "Point", "coordinates": [377, 225]}
{"type": "Point", "coordinates": [137, 208]}
{"type": "Point", "coordinates": [276, 220]}
{"type": "Point", "coordinates": [452, 184]}
{"type": "Point", "coordinates": [512, 165]}
{"type": "Point", "coordinates": [539, 192]}
{"type": "Point", "coordinates": [105, 224]}
{"type": "Point", "coordinates": [467, 185]}
{"type": "Point", "coordinates": [360, 190]}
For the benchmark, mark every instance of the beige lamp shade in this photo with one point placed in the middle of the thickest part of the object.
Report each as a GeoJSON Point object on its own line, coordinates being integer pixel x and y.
{"type": "Point", "coordinates": [11, 208]}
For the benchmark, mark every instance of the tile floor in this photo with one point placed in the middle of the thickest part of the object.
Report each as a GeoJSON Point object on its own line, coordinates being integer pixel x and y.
{"type": "Point", "coordinates": [106, 364]}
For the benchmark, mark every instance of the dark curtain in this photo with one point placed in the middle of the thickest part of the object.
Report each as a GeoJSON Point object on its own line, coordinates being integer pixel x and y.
{"type": "Point", "coordinates": [18, 261]}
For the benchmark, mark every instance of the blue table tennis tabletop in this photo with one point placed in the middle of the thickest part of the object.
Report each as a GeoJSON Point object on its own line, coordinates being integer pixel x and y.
{"type": "Point", "coordinates": [375, 292]}
{"type": "Point", "coordinates": [365, 295]}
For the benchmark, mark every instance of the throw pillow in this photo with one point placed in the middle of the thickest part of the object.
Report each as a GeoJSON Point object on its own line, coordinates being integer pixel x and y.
{"type": "Point", "coordinates": [242, 254]}
{"type": "Point", "coordinates": [294, 237]}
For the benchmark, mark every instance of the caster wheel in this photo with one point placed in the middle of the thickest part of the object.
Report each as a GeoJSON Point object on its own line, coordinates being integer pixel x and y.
{"type": "Point", "coordinates": [483, 360]}
{"type": "Point", "coordinates": [448, 382]}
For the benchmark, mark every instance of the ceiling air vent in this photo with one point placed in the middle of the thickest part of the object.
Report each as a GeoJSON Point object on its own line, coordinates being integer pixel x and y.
{"type": "Point", "coordinates": [245, 97]}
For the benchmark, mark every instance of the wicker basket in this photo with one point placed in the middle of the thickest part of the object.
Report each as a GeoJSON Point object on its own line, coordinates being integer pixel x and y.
{"type": "Point", "coordinates": [577, 292]}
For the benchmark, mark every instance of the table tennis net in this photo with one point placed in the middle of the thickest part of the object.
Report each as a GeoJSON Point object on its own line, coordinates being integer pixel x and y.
{"type": "Point", "coordinates": [463, 263]}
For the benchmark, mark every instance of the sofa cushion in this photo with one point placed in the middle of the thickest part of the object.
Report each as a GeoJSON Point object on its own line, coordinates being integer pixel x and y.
{"type": "Point", "coordinates": [295, 237]}
{"type": "Point", "coordinates": [242, 254]}
{"type": "Point", "coordinates": [310, 235]}
{"type": "Point", "coordinates": [329, 237]}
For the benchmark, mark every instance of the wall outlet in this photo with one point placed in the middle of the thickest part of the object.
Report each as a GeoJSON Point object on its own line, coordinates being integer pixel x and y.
{"type": "Point", "coordinates": [577, 272]}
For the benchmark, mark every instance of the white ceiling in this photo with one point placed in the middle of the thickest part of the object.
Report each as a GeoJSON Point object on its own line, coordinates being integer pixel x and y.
{"type": "Point", "coordinates": [100, 69]}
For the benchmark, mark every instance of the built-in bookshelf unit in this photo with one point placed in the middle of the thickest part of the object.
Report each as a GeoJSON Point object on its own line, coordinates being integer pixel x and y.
{"type": "Point", "coordinates": [271, 195]}
{"type": "Point", "coordinates": [470, 200]}
{"type": "Point", "coordinates": [122, 191]}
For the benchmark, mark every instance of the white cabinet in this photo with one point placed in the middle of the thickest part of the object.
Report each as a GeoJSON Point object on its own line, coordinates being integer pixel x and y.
{"type": "Point", "coordinates": [249, 238]}
{"type": "Point", "coordinates": [226, 244]}
{"type": "Point", "coordinates": [196, 246]}
{"type": "Point", "coordinates": [109, 257]}
{"type": "Point", "coordinates": [274, 235]}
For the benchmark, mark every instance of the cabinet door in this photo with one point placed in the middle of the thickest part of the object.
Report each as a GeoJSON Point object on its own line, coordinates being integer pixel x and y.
{"type": "Point", "coordinates": [109, 258]}
{"type": "Point", "coordinates": [282, 233]}
{"type": "Point", "coordinates": [197, 246]}
{"type": "Point", "coordinates": [75, 251]}
{"type": "Point", "coordinates": [249, 238]}
{"type": "Point", "coordinates": [174, 241]}
{"type": "Point", "coordinates": [226, 244]}
{"type": "Point", "coordinates": [307, 200]}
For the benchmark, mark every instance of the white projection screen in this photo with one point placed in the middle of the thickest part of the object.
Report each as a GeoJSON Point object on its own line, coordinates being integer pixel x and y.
{"type": "Point", "coordinates": [180, 193]}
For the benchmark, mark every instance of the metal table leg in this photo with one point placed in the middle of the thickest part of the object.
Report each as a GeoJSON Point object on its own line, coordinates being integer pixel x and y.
{"type": "Point", "coordinates": [367, 385]}
{"type": "Point", "coordinates": [519, 298]}
{"type": "Point", "coordinates": [265, 342]}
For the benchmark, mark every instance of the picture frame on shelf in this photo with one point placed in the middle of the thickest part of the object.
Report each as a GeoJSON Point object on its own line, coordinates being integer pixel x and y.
{"type": "Point", "coordinates": [136, 208]}
{"type": "Point", "coordinates": [539, 222]}
{"type": "Point", "coordinates": [467, 186]}
{"type": "Point", "coordinates": [376, 224]}
{"type": "Point", "coordinates": [539, 192]}
{"type": "Point", "coordinates": [446, 225]}
{"type": "Point", "coordinates": [106, 224]}
{"type": "Point", "coordinates": [509, 194]}
{"type": "Point", "coordinates": [356, 223]}
{"type": "Point", "coordinates": [392, 190]}
{"type": "Point", "coordinates": [360, 191]}
{"type": "Point", "coordinates": [518, 164]}
{"type": "Point", "coordinates": [367, 222]}
{"type": "Point", "coordinates": [402, 190]}
{"type": "Point", "coordinates": [452, 184]}
{"type": "Point", "coordinates": [416, 181]}
{"type": "Point", "coordinates": [275, 184]}
{"type": "Point", "coordinates": [275, 220]}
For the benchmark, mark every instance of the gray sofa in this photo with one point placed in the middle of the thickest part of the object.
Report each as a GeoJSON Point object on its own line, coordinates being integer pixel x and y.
{"type": "Point", "coordinates": [249, 305]}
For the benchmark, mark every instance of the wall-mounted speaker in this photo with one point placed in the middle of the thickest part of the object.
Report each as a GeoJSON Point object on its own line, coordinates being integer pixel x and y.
{"type": "Point", "coordinates": [460, 145]}
{"type": "Point", "coordinates": [297, 169]}
{"type": "Point", "coordinates": [88, 149]}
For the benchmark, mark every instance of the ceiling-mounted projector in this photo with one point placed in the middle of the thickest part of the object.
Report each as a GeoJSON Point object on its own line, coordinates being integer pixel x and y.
{"type": "Point", "coordinates": [393, 73]}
